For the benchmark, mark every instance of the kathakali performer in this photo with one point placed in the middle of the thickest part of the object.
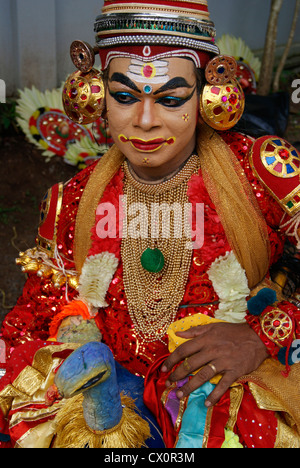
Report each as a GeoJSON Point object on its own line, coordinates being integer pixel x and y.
{"type": "Point", "coordinates": [161, 250]}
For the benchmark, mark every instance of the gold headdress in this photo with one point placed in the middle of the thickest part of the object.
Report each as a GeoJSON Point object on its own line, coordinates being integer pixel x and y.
{"type": "Point", "coordinates": [149, 32]}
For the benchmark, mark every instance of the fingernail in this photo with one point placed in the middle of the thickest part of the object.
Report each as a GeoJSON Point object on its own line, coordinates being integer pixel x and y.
{"type": "Point", "coordinates": [179, 395]}
{"type": "Point", "coordinates": [164, 368]}
{"type": "Point", "coordinates": [207, 404]}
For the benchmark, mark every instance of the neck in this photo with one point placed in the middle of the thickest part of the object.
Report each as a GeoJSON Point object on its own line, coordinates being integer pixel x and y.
{"type": "Point", "coordinates": [102, 407]}
{"type": "Point", "coordinates": [147, 179]}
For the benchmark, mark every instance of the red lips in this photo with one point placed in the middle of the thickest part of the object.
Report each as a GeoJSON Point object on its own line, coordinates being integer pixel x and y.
{"type": "Point", "coordinates": [149, 145]}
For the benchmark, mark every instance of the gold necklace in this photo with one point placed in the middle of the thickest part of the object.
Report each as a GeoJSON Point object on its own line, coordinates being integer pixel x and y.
{"type": "Point", "coordinates": [154, 297]}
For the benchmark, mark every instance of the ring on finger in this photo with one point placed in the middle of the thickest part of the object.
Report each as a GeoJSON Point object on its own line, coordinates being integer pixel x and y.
{"type": "Point", "coordinates": [213, 368]}
{"type": "Point", "coordinates": [186, 365]}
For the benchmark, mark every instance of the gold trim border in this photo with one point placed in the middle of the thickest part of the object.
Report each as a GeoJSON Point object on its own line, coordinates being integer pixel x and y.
{"type": "Point", "coordinates": [47, 245]}
{"type": "Point", "coordinates": [142, 8]}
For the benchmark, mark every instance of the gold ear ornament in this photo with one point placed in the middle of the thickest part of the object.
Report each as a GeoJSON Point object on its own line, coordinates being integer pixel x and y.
{"type": "Point", "coordinates": [222, 101]}
{"type": "Point", "coordinates": [83, 96]}
{"type": "Point", "coordinates": [83, 93]}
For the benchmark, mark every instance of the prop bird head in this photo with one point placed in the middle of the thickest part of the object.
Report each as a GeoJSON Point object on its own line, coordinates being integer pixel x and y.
{"type": "Point", "coordinates": [95, 414]}
{"type": "Point", "coordinates": [87, 367]}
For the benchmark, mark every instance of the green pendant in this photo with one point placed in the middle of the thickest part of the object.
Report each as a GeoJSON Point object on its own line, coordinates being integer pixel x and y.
{"type": "Point", "coordinates": [152, 260]}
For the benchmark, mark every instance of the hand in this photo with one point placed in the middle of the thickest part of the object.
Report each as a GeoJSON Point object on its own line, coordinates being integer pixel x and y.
{"type": "Point", "coordinates": [233, 350]}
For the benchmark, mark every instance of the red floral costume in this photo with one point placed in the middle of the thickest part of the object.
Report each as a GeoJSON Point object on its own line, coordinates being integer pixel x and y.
{"type": "Point", "coordinates": [31, 318]}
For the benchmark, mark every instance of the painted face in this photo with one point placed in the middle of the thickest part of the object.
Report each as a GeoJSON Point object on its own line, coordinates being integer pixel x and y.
{"type": "Point", "coordinates": [153, 112]}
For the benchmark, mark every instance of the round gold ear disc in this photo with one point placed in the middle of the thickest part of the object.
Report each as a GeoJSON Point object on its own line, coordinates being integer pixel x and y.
{"type": "Point", "coordinates": [221, 107]}
{"type": "Point", "coordinates": [83, 96]}
{"type": "Point", "coordinates": [83, 55]}
{"type": "Point", "coordinates": [221, 70]}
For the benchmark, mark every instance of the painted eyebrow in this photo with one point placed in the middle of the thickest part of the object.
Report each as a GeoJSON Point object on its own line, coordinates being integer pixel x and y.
{"type": "Point", "coordinates": [123, 79]}
{"type": "Point", "coordinates": [174, 83]}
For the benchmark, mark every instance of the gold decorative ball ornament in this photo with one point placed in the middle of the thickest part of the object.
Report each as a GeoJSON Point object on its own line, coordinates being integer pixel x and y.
{"type": "Point", "coordinates": [83, 97]}
{"type": "Point", "coordinates": [33, 261]}
{"type": "Point", "coordinates": [83, 56]}
{"type": "Point", "coordinates": [73, 282]}
{"type": "Point", "coordinates": [58, 280]}
{"type": "Point", "coordinates": [221, 107]}
{"type": "Point", "coordinates": [221, 70]}
{"type": "Point", "coordinates": [30, 267]}
{"type": "Point", "coordinates": [277, 326]}
{"type": "Point", "coordinates": [44, 271]}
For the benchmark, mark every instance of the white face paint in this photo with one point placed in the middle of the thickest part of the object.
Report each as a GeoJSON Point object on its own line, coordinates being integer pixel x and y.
{"type": "Point", "coordinates": [150, 72]}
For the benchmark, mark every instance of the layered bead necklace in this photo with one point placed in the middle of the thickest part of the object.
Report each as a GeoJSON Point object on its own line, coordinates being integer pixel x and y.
{"type": "Point", "coordinates": [157, 256]}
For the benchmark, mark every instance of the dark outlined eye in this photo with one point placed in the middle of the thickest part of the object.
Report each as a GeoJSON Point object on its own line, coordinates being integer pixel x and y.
{"type": "Point", "coordinates": [171, 101]}
{"type": "Point", "coordinates": [123, 97]}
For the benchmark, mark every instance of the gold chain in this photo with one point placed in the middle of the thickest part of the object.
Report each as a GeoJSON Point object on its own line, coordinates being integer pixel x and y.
{"type": "Point", "coordinates": [153, 298]}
